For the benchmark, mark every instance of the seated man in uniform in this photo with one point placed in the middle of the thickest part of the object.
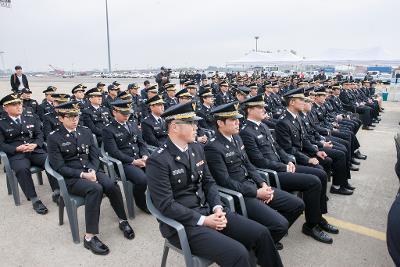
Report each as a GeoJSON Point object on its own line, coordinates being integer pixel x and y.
{"type": "Point", "coordinates": [73, 154]}
{"type": "Point", "coordinates": [182, 188]}
{"type": "Point", "coordinates": [22, 140]}
{"type": "Point", "coordinates": [265, 153]}
{"type": "Point", "coordinates": [123, 140]}
{"type": "Point", "coordinates": [207, 103]}
{"type": "Point", "coordinates": [47, 105]}
{"type": "Point", "coordinates": [95, 116]}
{"type": "Point", "coordinates": [78, 94]}
{"type": "Point", "coordinates": [232, 169]}
{"type": "Point", "coordinates": [153, 126]}
{"type": "Point", "coordinates": [50, 119]}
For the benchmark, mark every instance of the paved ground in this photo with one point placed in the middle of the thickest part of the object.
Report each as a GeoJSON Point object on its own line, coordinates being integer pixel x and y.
{"type": "Point", "coordinates": [27, 239]}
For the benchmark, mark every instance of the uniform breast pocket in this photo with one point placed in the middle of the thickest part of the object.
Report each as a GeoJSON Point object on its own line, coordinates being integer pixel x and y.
{"type": "Point", "coordinates": [10, 132]}
{"type": "Point", "coordinates": [179, 180]}
{"type": "Point", "coordinates": [262, 141]}
{"type": "Point", "coordinates": [67, 148]}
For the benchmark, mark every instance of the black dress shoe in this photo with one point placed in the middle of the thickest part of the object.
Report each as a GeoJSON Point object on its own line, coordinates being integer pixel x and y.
{"type": "Point", "coordinates": [358, 155]}
{"type": "Point", "coordinates": [354, 161]}
{"type": "Point", "coordinates": [144, 209]}
{"type": "Point", "coordinates": [354, 168]}
{"type": "Point", "coordinates": [56, 198]}
{"type": "Point", "coordinates": [350, 187]}
{"type": "Point", "coordinates": [317, 234]}
{"type": "Point", "coordinates": [324, 225]}
{"type": "Point", "coordinates": [371, 125]}
{"type": "Point", "coordinates": [278, 246]}
{"type": "Point", "coordinates": [96, 246]}
{"type": "Point", "coordinates": [39, 207]}
{"type": "Point", "coordinates": [341, 191]}
{"type": "Point", "coordinates": [127, 230]}
{"type": "Point", "coordinates": [368, 128]}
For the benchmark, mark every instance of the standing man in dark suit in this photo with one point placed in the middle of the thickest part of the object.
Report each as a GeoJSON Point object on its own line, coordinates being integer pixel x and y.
{"type": "Point", "coordinates": [264, 152]}
{"type": "Point", "coordinates": [182, 188]}
{"type": "Point", "coordinates": [18, 80]}
{"type": "Point", "coordinates": [154, 127]}
{"type": "Point", "coordinates": [73, 154]}
{"type": "Point", "coordinates": [22, 140]}
{"type": "Point", "coordinates": [231, 168]}
{"type": "Point", "coordinates": [123, 140]}
{"type": "Point", "coordinates": [393, 230]}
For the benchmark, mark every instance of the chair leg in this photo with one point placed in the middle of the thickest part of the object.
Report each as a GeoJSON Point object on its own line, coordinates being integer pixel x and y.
{"type": "Point", "coordinates": [73, 221]}
{"type": "Point", "coordinates": [61, 206]}
{"type": "Point", "coordinates": [130, 202]}
{"type": "Point", "coordinates": [8, 187]}
{"type": "Point", "coordinates": [14, 188]}
{"type": "Point", "coordinates": [165, 255]}
{"type": "Point", "coordinates": [40, 178]}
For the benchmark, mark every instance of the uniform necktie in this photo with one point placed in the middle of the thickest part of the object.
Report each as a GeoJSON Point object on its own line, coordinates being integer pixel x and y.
{"type": "Point", "coordinates": [18, 121]}
{"type": "Point", "coordinates": [127, 127]}
{"type": "Point", "coordinates": [74, 134]}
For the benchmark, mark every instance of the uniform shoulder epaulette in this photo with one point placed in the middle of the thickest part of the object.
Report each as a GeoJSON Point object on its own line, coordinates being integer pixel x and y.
{"type": "Point", "coordinates": [212, 139]}
{"type": "Point", "coordinates": [161, 149]}
{"type": "Point", "coordinates": [45, 114]}
{"type": "Point", "coordinates": [282, 116]}
{"type": "Point", "coordinates": [244, 126]}
{"type": "Point", "coordinates": [108, 124]}
{"type": "Point", "coordinates": [2, 118]}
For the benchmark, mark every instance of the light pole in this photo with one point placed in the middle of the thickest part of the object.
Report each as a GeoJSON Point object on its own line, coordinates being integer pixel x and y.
{"type": "Point", "coordinates": [108, 40]}
{"type": "Point", "coordinates": [256, 37]}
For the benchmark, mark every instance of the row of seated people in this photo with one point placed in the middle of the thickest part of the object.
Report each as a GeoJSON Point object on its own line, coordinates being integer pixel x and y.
{"type": "Point", "coordinates": [124, 136]}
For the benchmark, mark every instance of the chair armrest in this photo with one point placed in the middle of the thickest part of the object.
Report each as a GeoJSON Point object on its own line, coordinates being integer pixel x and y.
{"type": "Point", "coordinates": [174, 224]}
{"type": "Point", "coordinates": [267, 173]}
{"type": "Point", "coordinates": [108, 166]}
{"type": "Point", "coordinates": [237, 195]}
{"type": "Point", "coordinates": [293, 158]}
{"type": "Point", "coordinates": [228, 201]}
{"type": "Point", "coordinates": [5, 161]}
{"type": "Point", "coordinates": [60, 179]}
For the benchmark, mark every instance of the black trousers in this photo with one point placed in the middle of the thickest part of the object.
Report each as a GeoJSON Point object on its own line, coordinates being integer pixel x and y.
{"type": "Point", "coordinates": [137, 176]}
{"type": "Point", "coordinates": [93, 194]}
{"type": "Point", "coordinates": [365, 114]}
{"type": "Point", "coordinates": [375, 109]}
{"type": "Point", "coordinates": [342, 145]}
{"type": "Point", "coordinates": [323, 177]}
{"type": "Point", "coordinates": [230, 247]}
{"type": "Point", "coordinates": [348, 136]}
{"type": "Point", "coordinates": [326, 164]}
{"type": "Point", "coordinates": [340, 168]}
{"type": "Point", "coordinates": [310, 186]}
{"type": "Point", "coordinates": [21, 168]}
{"type": "Point", "coordinates": [393, 231]}
{"type": "Point", "coordinates": [278, 215]}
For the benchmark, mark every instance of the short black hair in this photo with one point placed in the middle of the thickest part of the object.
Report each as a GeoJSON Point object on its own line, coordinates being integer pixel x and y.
{"type": "Point", "coordinates": [18, 67]}
{"type": "Point", "coordinates": [146, 82]}
{"type": "Point", "coordinates": [219, 119]}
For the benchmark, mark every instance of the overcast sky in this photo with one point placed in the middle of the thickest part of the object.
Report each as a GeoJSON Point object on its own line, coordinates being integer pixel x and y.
{"type": "Point", "coordinates": [148, 33]}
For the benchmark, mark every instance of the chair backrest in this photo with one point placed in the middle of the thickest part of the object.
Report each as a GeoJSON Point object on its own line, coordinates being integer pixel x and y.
{"type": "Point", "coordinates": [96, 143]}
